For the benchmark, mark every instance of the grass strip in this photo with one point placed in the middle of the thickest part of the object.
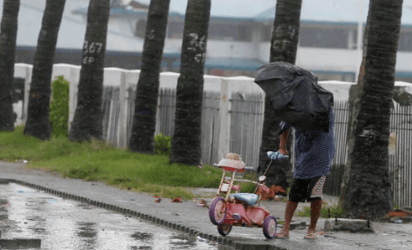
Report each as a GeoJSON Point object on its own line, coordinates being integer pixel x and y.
{"type": "Point", "coordinates": [97, 161]}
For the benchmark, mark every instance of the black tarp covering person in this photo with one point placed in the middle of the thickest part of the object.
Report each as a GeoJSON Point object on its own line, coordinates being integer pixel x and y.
{"type": "Point", "coordinates": [296, 96]}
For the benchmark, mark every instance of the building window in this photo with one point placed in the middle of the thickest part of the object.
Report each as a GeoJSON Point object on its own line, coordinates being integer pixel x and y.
{"type": "Point", "coordinates": [140, 29]}
{"type": "Point", "coordinates": [267, 33]}
{"type": "Point", "coordinates": [405, 41]}
{"type": "Point", "coordinates": [175, 30]}
{"type": "Point", "coordinates": [222, 31]}
{"type": "Point", "coordinates": [244, 33]}
{"type": "Point", "coordinates": [323, 38]}
{"type": "Point", "coordinates": [230, 32]}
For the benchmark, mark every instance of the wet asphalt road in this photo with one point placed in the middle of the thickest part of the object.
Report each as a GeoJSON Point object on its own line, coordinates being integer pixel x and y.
{"type": "Point", "coordinates": [65, 224]}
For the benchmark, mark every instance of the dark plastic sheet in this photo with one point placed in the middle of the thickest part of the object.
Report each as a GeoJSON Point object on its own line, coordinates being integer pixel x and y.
{"type": "Point", "coordinates": [296, 96]}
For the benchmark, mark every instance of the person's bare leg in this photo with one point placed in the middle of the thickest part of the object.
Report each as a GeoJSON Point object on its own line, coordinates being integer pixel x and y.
{"type": "Point", "coordinates": [315, 207]}
{"type": "Point", "coordinates": [290, 210]}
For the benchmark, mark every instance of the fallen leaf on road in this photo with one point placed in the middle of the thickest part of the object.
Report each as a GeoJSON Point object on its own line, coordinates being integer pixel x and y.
{"type": "Point", "coordinates": [177, 199]}
{"type": "Point", "coordinates": [202, 203]}
{"type": "Point", "coordinates": [158, 198]}
{"type": "Point", "coordinates": [399, 213]}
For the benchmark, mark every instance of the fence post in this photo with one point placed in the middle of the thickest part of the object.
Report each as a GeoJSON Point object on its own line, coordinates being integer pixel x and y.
{"type": "Point", "coordinates": [73, 80]}
{"type": "Point", "coordinates": [27, 82]}
{"type": "Point", "coordinates": [224, 108]}
{"type": "Point", "coordinates": [122, 129]}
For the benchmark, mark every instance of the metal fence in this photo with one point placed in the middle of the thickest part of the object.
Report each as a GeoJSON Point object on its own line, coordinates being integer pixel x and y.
{"type": "Point", "coordinates": [165, 117]}
{"type": "Point", "coordinates": [111, 110]}
{"type": "Point", "coordinates": [246, 126]}
{"type": "Point", "coordinates": [400, 155]}
{"type": "Point", "coordinates": [334, 180]}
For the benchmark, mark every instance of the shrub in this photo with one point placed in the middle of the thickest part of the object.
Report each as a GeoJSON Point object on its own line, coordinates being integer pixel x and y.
{"type": "Point", "coordinates": [162, 144]}
{"type": "Point", "coordinates": [59, 107]}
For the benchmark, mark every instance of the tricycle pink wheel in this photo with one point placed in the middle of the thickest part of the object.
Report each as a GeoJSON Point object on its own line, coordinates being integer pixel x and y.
{"type": "Point", "coordinates": [217, 210]}
{"type": "Point", "coordinates": [224, 229]}
{"type": "Point", "coordinates": [269, 227]}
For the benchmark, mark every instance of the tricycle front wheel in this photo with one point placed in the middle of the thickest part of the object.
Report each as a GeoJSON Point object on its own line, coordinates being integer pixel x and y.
{"type": "Point", "coordinates": [217, 211]}
{"type": "Point", "coordinates": [269, 227]}
{"type": "Point", "coordinates": [224, 229]}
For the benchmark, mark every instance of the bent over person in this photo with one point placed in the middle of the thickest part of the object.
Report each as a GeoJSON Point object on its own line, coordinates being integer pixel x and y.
{"type": "Point", "coordinates": [314, 152]}
{"type": "Point", "coordinates": [300, 102]}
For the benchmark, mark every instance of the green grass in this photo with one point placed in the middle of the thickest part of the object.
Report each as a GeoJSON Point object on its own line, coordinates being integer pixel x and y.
{"type": "Point", "coordinates": [334, 209]}
{"type": "Point", "coordinates": [96, 161]}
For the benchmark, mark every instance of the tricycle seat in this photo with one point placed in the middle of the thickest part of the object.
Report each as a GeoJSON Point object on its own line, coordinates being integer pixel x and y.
{"type": "Point", "coordinates": [249, 198]}
{"type": "Point", "coordinates": [232, 165]}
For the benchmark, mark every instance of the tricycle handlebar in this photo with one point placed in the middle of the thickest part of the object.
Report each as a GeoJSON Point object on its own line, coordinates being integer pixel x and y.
{"type": "Point", "coordinates": [246, 180]}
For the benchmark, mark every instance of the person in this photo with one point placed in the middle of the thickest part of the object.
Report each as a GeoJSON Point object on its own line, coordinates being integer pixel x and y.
{"type": "Point", "coordinates": [314, 152]}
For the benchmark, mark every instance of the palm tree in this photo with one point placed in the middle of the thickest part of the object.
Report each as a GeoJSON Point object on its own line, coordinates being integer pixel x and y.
{"type": "Point", "coordinates": [87, 121]}
{"type": "Point", "coordinates": [7, 52]}
{"type": "Point", "coordinates": [38, 123]}
{"type": "Point", "coordinates": [186, 141]}
{"type": "Point", "coordinates": [366, 187]}
{"type": "Point", "coordinates": [144, 119]}
{"type": "Point", "coordinates": [284, 44]}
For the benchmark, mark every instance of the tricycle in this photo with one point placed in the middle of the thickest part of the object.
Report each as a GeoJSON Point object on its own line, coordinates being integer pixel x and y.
{"type": "Point", "coordinates": [240, 209]}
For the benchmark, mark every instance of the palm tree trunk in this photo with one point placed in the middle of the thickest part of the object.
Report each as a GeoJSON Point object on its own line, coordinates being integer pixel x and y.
{"type": "Point", "coordinates": [144, 119]}
{"type": "Point", "coordinates": [284, 44]}
{"type": "Point", "coordinates": [366, 191]}
{"type": "Point", "coordinates": [87, 121]}
{"type": "Point", "coordinates": [38, 123]}
{"type": "Point", "coordinates": [285, 35]}
{"type": "Point", "coordinates": [7, 54]}
{"type": "Point", "coordinates": [186, 141]}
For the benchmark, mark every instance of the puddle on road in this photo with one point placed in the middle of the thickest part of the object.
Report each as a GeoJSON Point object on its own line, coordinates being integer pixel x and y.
{"type": "Point", "coordinates": [65, 224]}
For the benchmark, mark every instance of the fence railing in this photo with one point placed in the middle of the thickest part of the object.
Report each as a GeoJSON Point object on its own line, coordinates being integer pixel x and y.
{"type": "Point", "coordinates": [246, 126]}
{"type": "Point", "coordinates": [400, 155]}
{"type": "Point", "coordinates": [332, 183]}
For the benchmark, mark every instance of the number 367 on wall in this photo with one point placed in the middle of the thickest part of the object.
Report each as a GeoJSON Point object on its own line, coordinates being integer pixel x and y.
{"type": "Point", "coordinates": [92, 49]}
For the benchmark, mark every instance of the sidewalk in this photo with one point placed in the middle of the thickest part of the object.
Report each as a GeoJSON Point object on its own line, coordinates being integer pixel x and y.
{"type": "Point", "coordinates": [190, 218]}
